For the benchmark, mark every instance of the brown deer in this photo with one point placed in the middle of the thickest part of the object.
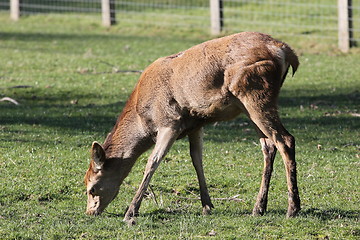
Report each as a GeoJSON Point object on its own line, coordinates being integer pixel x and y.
{"type": "Point", "coordinates": [177, 95]}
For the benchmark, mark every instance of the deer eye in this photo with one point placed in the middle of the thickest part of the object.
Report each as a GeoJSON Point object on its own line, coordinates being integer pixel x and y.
{"type": "Point", "coordinates": [92, 191]}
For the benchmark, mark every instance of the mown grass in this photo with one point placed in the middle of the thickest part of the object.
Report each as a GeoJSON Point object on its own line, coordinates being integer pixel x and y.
{"type": "Point", "coordinates": [73, 97]}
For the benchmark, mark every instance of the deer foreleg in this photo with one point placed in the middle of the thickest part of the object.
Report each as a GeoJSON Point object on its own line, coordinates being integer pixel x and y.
{"type": "Point", "coordinates": [196, 146]}
{"type": "Point", "coordinates": [164, 140]}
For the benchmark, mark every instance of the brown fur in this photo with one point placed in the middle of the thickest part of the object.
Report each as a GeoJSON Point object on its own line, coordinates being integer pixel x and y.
{"type": "Point", "coordinates": [176, 95]}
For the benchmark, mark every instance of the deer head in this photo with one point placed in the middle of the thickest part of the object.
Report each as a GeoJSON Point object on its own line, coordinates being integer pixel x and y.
{"type": "Point", "coordinates": [102, 182]}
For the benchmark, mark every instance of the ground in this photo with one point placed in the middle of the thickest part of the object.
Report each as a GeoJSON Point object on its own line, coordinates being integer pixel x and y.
{"type": "Point", "coordinates": [62, 69]}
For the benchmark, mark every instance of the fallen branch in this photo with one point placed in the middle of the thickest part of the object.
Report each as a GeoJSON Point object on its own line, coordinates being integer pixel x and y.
{"type": "Point", "coordinates": [117, 70]}
{"type": "Point", "coordinates": [112, 72]}
{"type": "Point", "coordinates": [151, 194]}
{"type": "Point", "coordinates": [9, 100]}
{"type": "Point", "coordinates": [18, 86]}
{"type": "Point", "coordinates": [128, 71]}
{"type": "Point", "coordinates": [234, 198]}
{"type": "Point", "coordinates": [355, 114]}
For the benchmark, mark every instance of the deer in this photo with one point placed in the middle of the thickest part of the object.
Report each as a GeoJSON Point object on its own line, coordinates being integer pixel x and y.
{"type": "Point", "coordinates": [177, 95]}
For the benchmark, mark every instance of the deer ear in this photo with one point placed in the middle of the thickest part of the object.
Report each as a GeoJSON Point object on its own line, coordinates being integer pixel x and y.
{"type": "Point", "coordinates": [98, 155]}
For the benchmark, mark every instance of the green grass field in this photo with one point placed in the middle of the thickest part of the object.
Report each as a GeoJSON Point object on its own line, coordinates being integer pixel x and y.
{"type": "Point", "coordinates": [70, 96]}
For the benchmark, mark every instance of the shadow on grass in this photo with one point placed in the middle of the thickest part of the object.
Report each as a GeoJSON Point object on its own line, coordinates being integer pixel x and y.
{"type": "Point", "coordinates": [159, 214]}
{"type": "Point", "coordinates": [345, 97]}
{"type": "Point", "coordinates": [313, 112]}
{"type": "Point", "coordinates": [163, 213]}
{"type": "Point", "coordinates": [46, 37]}
{"type": "Point", "coordinates": [79, 39]}
{"type": "Point", "coordinates": [322, 214]}
{"type": "Point", "coordinates": [330, 214]}
{"type": "Point", "coordinates": [53, 109]}
{"type": "Point", "coordinates": [83, 119]}
{"type": "Point", "coordinates": [234, 131]}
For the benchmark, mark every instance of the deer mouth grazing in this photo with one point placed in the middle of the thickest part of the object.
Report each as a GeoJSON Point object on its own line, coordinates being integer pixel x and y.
{"type": "Point", "coordinates": [93, 206]}
{"type": "Point", "coordinates": [93, 212]}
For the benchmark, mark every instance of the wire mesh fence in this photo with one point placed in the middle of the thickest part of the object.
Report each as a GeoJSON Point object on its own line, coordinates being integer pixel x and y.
{"type": "Point", "coordinates": [314, 19]}
{"type": "Point", "coordinates": [295, 17]}
{"type": "Point", "coordinates": [55, 6]}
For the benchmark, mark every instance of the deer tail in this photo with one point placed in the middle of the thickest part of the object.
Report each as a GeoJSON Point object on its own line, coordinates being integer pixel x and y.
{"type": "Point", "coordinates": [291, 58]}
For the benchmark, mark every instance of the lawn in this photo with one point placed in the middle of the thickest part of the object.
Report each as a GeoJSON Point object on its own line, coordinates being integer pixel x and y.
{"type": "Point", "coordinates": [63, 71]}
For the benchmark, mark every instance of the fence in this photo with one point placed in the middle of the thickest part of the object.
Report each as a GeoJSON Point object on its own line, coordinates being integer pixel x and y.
{"type": "Point", "coordinates": [326, 20]}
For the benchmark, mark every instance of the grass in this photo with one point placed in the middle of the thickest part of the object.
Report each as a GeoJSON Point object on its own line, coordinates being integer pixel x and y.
{"type": "Point", "coordinates": [73, 98]}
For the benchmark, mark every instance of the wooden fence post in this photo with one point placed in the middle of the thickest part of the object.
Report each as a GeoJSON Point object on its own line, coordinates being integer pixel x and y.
{"type": "Point", "coordinates": [108, 12]}
{"type": "Point", "coordinates": [15, 9]}
{"type": "Point", "coordinates": [345, 29]}
{"type": "Point", "coordinates": [216, 16]}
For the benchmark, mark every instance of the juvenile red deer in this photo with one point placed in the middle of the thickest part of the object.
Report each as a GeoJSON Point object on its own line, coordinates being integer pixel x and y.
{"type": "Point", "coordinates": [177, 95]}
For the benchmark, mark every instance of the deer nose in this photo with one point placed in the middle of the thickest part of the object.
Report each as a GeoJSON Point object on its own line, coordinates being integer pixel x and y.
{"type": "Point", "coordinates": [93, 212]}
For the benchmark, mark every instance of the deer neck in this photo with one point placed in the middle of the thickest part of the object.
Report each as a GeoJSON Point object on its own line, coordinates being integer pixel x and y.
{"type": "Point", "coordinates": [127, 140]}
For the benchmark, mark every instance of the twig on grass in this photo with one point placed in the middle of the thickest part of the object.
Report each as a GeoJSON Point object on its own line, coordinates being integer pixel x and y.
{"type": "Point", "coordinates": [128, 71]}
{"type": "Point", "coordinates": [117, 70]}
{"type": "Point", "coordinates": [234, 198]}
{"type": "Point", "coordinates": [355, 114]}
{"type": "Point", "coordinates": [18, 86]}
{"type": "Point", "coordinates": [149, 193]}
{"type": "Point", "coordinates": [128, 184]}
{"type": "Point", "coordinates": [9, 100]}
{"type": "Point", "coordinates": [192, 193]}
{"type": "Point", "coordinates": [152, 195]}
{"type": "Point", "coordinates": [86, 71]}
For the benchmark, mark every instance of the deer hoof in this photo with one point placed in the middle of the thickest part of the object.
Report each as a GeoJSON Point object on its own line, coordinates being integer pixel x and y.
{"type": "Point", "coordinates": [130, 221]}
{"type": "Point", "coordinates": [258, 211]}
{"type": "Point", "coordinates": [206, 210]}
{"type": "Point", "coordinates": [292, 212]}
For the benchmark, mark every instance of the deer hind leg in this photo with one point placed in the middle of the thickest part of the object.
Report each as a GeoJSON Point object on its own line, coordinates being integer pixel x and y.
{"type": "Point", "coordinates": [256, 87]}
{"type": "Point", "coordinates": [268, 121]}
{"type": "Point", "coordinates": [269, 151]}
{"type": "Point", "coordinates": [196, 146]}
{"type": "Point", "coordinates": [164, 140]}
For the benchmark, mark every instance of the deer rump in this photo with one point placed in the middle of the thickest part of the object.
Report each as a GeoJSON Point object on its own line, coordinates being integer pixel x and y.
{"type": "Point", "coordinates": [176, 95]}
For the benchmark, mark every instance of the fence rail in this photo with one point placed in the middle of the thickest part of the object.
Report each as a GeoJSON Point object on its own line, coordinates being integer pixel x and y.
{"type": "Point", "coordinates": [328, 20]}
